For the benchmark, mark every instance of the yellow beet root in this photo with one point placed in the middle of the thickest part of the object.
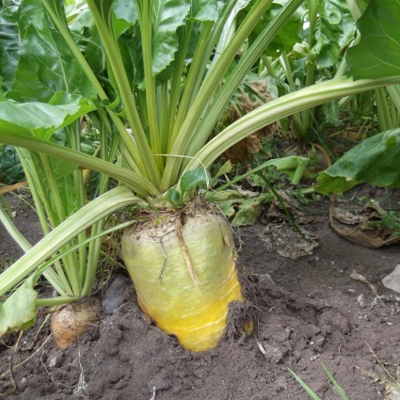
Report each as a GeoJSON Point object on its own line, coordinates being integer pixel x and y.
{"type": "Point", "coordinates": [185, 279]}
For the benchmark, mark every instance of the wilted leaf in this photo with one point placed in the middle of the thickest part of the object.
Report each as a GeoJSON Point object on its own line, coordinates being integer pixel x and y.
{"type": "Point", "coordinates": [369, 226]}
{"type": "Point", "coordinates": [243, 206]}
{"type": "Point", "coordinates": [248, 212]}
{"type": "Point", "coordinates": [19, 310]}
{"type": "Point", "coordinates": [287, 241]}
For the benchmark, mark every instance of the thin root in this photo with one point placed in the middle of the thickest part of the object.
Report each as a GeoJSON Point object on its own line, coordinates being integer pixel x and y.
{"type": "Point", "coordinates": [10, 370]}
{"type": "Point", "coordinates": [26, 359]}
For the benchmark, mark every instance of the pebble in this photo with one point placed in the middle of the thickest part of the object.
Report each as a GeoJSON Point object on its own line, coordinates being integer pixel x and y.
{"type": "Point", "coordinates": [55, 360]}
{"type": "Point", "coordinates": [392, 281]}
{"type": "Point", "coordinates": [23, 384]}
{"type": "Point", "coordinates": [115, 294]}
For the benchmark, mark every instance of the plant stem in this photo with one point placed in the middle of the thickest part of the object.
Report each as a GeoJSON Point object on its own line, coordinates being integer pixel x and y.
{"type": "Point", "coordinates": [58, 18]}
{"type": "Point", "coordinates": [34, 177]}
{"type": "Point", "coordinates": [73, 131]}
{"type": "Point", "coordinates": [144, 159]}
{"type": "Point", "coordinates": [95, 244]}
{"type": "Point", "coordinates": [146, 26]}
{"type": "Point", "coordinates": [13, 231]}
{"type": "Point", "coordinates": [194, 72]}
{"type": "Point", "coordinates": [175, 85]}
{"type": "Point", "coordinates": [136, 181]}
{"type": "Point", "coordinates": [383, 108]}
{"type": "Point", "coordinates": [280, 108]}
{"type": "Point", "coordinates": [211, 83]}
{"type": "Point", "coordinates": [81, 220]}
{"type": "Point", "coordinates": [204, 129]}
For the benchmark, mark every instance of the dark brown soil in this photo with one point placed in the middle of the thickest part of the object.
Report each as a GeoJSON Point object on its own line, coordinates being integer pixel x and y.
{"type": "Point", "coordinates": [310, 312]}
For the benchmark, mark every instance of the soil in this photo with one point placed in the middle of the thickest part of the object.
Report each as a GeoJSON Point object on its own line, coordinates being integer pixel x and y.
{"type": "Point", "coordinates": [310, 312]}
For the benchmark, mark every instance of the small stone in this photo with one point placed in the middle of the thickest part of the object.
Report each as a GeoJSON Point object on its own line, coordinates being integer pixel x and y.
{"type": "Point", "coordinates": [392, 281]}
{"type": "Point", "coordinates": [281, 383]}
{"type": "Point", "coordinates": [273, 354]}
{"type": "Point", "coordinates": [265, 280]}
{"type": "Point", "coordinates": [123, 383]}
{"type": "Point", "coordinates": [55, 360]}
{"type": "Point", "coordinates": [23, 384]}
{"type": "Point", "coordinates": [200, 373]}
{"type": "Point", "coordinates": [115, 294]}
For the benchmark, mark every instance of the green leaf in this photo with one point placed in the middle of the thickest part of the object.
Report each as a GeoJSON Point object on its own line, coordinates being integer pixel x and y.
{"type": "Point", "coordinates": [9, 42]}
{"type": "Point", "coordinates": [291, 32]}
{"type": "Point", "coordinates": [41, 118]}
{"type": "Point", "coordinates": [332, 379]}
{"type": "Point", "coordinates": [292, 166]}
{"type": "Point", "coordinates": [168, 17]}
{"type": "Point", "coordinates": [334, 32]}
{"type": "Point", "coordinates": [194, 178]}
{"type": "Point", "coordinates": [205, 10]}
{"type": "Point", "coordinates": [19, 310]}
{"type": "Point", "coordinates": [378, 53]}
{"type": "Point", "coordinates": [61, 172]}
{"type": "Point", "coordinates": [10, 166]}
{"type": "Point", "coordinates": [376, 161]}
{"type": "Point", "coordinates": [87, 37]}
{"type": "Point", "coordinates": [73, 8]}
{"type": "Point", "coordinates": [125, 15]}
{"type": "Point", "coordinates": [132, 57]}
{"type": "Point", "coordinates": [46, 64]}
{"type": "Point", "coordinates": [130, 43]}
{"type": "Point", "coordinates": [2, 98]}
{"type": "Point", "coordinates": [174, 197]}
{"type": "Point", "coordinates": [225, 169]}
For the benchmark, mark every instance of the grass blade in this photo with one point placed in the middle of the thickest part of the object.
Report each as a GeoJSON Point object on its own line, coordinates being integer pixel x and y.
{"type": "Point", "coordinates": [312, 394]}
{"type": "Point", "coordinates": [338, 388]}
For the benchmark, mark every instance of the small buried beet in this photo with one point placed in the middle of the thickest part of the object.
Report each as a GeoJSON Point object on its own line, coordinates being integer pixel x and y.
{"type": "Point", "coordinates": [70, 321]}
